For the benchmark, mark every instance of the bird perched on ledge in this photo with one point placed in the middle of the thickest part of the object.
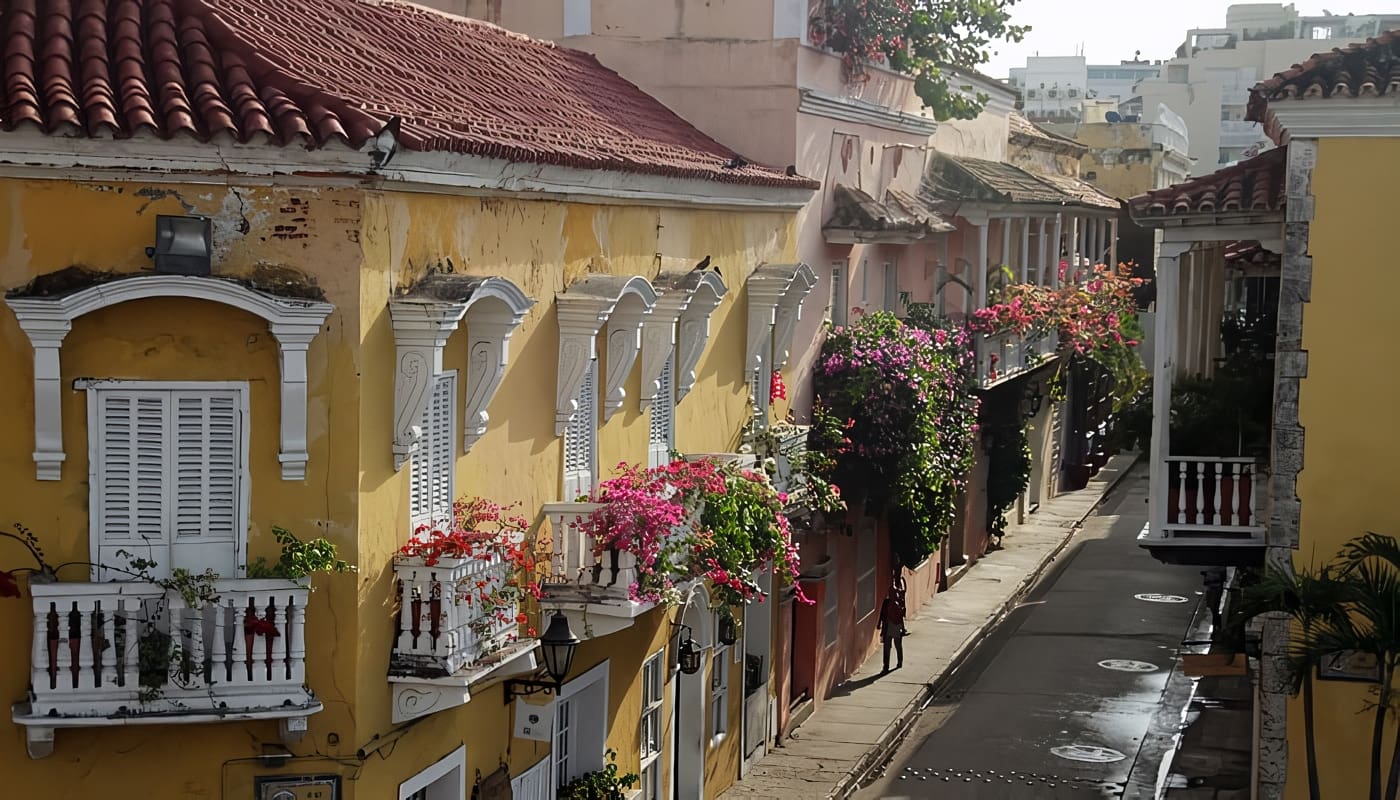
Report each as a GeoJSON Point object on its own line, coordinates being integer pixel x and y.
{"type": "Point", "coordinates": [703, 265]}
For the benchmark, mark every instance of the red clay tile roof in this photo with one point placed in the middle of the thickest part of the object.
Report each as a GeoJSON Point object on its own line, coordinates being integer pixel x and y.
{"type": "Point", "coordinates": [1023, 131]}
{"type": "Point", "coordinates": [1369, 69]}
{"type": "Point", "coordinates": [1256, 185]}
{"type": "Point", "coordinates": [313, 72]}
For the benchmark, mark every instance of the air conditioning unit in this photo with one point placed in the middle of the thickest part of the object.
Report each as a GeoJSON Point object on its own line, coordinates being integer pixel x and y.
{"type": "Point", "coordinates": [1054, 92]}
{"type": "Point", "coordinates": [1031, 93]}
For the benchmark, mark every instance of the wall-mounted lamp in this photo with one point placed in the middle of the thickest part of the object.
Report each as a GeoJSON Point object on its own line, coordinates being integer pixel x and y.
{"type": "Point", "coordinates": [1031, 400]}
{"type": "Point", "coordinates": [184, 245]}
{"type": "Point", "coordinates": [557, 648]}
{"type": "Point", "coordinates": [728, 632]}
{"type": "Point", "coordinates": [688, 654]}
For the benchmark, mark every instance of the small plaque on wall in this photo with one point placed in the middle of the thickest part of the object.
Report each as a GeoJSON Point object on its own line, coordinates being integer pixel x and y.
{"type": "Point", "coordinates": [533, 722]}
{"type": "Point", "coordinates": [1349, 665]}
{"type": "Point", "coordinates": [298, 787]}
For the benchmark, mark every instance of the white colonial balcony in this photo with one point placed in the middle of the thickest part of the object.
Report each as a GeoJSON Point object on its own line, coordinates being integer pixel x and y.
{"type": "Point", "coordinates": [1003, 356]}
{"type": "Point", "coordinates": [1211, 501]}
{"type": "Point", "coordinates": [446, 643]}
{"type": "Point", "coordinates": [591, 586]}
{"type": "Point", "coordinates": [129, 653]}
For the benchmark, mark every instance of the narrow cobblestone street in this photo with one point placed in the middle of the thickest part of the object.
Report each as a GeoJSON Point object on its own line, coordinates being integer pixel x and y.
{"type": "Point", "coordinates": [1076, 694]}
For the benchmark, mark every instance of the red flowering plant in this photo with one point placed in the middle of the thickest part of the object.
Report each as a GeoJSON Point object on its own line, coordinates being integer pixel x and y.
{"type": "Point", "coordinates": [1092, 312]}
{"type": "Point", "coordinates": [9, 579]}
{"type": "Point", "coordinates": [483, 531]}
{"type": "Point", "coordinates": [693, 519]}
{"type": "Point", "coordinates": [777, 390]}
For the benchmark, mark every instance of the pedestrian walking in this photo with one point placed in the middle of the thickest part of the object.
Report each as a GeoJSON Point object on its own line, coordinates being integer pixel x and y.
{"type": "Point", "coordinates": [892, 629]}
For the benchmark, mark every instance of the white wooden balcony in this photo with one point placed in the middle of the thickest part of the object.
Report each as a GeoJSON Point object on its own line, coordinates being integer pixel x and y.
{"type": "Point", "coordinates": [1003, 356]}
{"type": "Point", "coordinates": [445, 642]}
{"type": "Point", "coordinates": [128, 653]}
{"type": "Point", "coordinates": [1211, 510]}
{"type": "Point", "coordinates": [787, 471]}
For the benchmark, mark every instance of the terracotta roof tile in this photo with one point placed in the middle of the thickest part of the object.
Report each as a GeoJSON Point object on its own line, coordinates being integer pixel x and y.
{"type": "Point", "coordinates": [956, 179]}
{"type": "Point", "coordinates": [1256, 185]}
{"type": "Point", "coordinates": [314, 72]}
{"type": "Point", "coordinates": [1369, 69]}
{"type": "Point", "coordinates": [854, 211]}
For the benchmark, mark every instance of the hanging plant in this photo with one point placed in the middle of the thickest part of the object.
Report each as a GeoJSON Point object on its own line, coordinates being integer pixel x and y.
{"type": "Point", "coordinates": [1008, 473]}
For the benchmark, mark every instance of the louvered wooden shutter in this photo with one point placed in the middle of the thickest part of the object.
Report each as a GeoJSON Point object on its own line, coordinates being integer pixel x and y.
{"type": "Point", "coordinates": [580, 438]}
{"type": "Point", "coordinates": [167, 471]}
{"type": "Point", "coordinates": [431, 468]}
{"type": "Point", "coordinates": [207, 440]}
{"type": "Point", "coordinates": [661, 439]}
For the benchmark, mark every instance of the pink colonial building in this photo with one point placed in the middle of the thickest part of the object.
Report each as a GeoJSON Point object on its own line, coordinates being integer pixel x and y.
{"type": "Point", "coordinates": [911, 210]}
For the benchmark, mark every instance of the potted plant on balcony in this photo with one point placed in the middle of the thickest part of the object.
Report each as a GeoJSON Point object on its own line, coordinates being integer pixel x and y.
{"type": "Point", "coordinates": [482, 568]}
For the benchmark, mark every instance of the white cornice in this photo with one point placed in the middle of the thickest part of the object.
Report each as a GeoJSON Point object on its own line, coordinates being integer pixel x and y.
{"type": "Point", "coordinates": [47, 320]}
{"type": "Point", "coordinates": [583, 310]}
{"type": "Point", "coordinates": [821, 104]}
{"type": "Point", "coordinates": [30, 154]}
{"type": "Point", "coordinates": [1318, 118]}
{"type": "Point", "coordinates": [694, 329]}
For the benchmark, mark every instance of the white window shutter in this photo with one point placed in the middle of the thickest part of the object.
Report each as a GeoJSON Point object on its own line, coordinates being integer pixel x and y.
{"type": "Point", "coordinates": [207, 444]}
{"type": "Point", "coordinates": [129, 446]}
{"type": "Point", "coordinates": [431, 468]}
{"type": "Point", "coordinates": [580, 438]}
{"type": "Point", "coordinates": [662, 436]}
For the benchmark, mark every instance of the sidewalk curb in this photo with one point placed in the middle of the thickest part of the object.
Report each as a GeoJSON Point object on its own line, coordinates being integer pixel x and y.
{"type": "Point", "coordinates": [894, 734]}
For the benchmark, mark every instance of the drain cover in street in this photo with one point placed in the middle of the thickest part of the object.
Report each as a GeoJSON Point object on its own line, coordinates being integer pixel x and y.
{"type": "Point", "coordinates": [1152, 597]}
{"type": "Point", "coordinates": [1127, 665]}
{"type": "Point", "coordinates": [1087, 752]}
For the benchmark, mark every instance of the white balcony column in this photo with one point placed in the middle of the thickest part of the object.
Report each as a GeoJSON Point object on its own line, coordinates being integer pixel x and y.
{"type": "Point", "coordinates": [1072, 246]}
{"type": "Point", "coordinates": [980, 270]}
{"type": "Point", "coordinates": [1059, 241]}
{"type": "Point", "coordinates": [1042, 259]}
{"type": "Point", "coordinates": [1164, 357]}
{"type": "Point", "coordinates": [1025, 249]}
{"type": "Point", "coordinates": [1095, 234]}
{"type": "Point", "coordinates": [1005, 242]}
{"type": "Point", "coordinates": [1113, 242]}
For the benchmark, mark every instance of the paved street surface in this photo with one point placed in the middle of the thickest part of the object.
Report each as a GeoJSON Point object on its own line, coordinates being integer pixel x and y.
{"type": "Point", "coordinates": [1059, 701]}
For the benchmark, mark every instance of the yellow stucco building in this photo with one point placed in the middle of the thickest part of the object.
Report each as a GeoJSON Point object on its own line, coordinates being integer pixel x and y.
{"type": "Point", "coordinates": [466, 275]}
{"type": "Point", "coordinates": [1297, 232]}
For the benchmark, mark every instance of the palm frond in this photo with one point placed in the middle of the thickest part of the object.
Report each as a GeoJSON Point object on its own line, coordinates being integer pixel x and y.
{"type": "Point", "coordinates": [1369, 545]}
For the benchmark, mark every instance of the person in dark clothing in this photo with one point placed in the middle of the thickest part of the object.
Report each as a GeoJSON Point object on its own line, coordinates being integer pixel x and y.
{"type": "Point", "coordinates": [892, 622]}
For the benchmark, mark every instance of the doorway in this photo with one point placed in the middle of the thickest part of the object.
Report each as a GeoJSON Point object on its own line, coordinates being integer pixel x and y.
{"type": "Point", "coordinates": [689, 706]}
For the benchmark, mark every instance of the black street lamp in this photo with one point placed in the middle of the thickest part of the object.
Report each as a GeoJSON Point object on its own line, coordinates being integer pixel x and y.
{"type": "Point", "coordinates": [728, 632]}
{"type": "Point", "coordinates": [557, 648]}
{"type": "Point", "coordinates": [688, 654]}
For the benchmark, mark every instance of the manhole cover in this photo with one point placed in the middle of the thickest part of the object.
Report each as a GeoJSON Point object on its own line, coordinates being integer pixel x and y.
{"type": "Point", "coordinates": [1087, 752]}
{"type": "Point", "coordinates": [1127, 665]}
{"type": "Point", "coordinates": [1152, 597]}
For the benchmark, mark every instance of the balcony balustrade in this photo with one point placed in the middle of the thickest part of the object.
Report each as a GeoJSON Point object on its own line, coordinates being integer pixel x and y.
{"type": "Point", "coordinates": [131, 653]}
{"type": "Point", "coordinates": [1003, 356]}
{"type": "Point", "coordinates": [1212, 510]}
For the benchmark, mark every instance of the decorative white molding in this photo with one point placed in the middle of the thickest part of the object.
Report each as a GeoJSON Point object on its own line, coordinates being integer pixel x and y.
{"type": "Point", "coordinates": [495, 311]}
{"type": "Point", "coordinates": [847, 109]}
{"type": "Point", "coordinates": [1317, 118]}
{"type": "Point", "coordinates": [415, 697]}
{"type": "Point", "coordinates": [694, 329]}
{"type": "Point", "coordinates": [625, 342]}
{"type": "Point", "coordinates": [47, 320]}
{"type": "Point", "coordinates": [676, 291]}
{"type": "Point", "coordinates": [789, 311]}
{"type": "Point", "coordinates": [583, 310]}
{"type": "Point", "coordinates": [767, 286]}
{"type": "Point", "coordinates": [421, 330]}
{"type": "Point", "coordinates": [424, 319]}
{"type": "Point", "coordinates": [35, 155]}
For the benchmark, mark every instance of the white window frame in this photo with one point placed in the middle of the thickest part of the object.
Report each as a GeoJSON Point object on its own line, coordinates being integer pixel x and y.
{"type": "Point", "coordinates": [590, 410]}
{"type": "Point", "coordinates": [653, 695]}
{"type": "Point", "coordinates": [659, 450]}
{"type": "Point", "coordinates": [839, 313]}
{"type": "Point", "coordinates": [720, 668]}
{"type": "Point", "coordinates": [428, 451]}
{"type": "Point", "coordinates": [589, 760]}
{"type": "Point", "coordinates": [96, 457]}
{"type": "Point", "coordinates": [891, 286]}
{"type": "Point", "coordinates": [866, 588]}
{"type": "Point", "coordinates": [831, 619]}
{"type": "Point", "coordinates": [445, 779]}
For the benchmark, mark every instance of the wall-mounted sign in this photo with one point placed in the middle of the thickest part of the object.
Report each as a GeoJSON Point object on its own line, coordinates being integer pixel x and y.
{"type": "Point", "coordinates": [1349, 665]}
{"type": "Point", "coordinates": [297, 787]}
{"type": "Point", "coordinates": [533, 722]}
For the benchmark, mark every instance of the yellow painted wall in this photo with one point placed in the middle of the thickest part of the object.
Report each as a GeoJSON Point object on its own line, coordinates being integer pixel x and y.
{"type": "Point", "coordinates": [357, 247]}
{"type": "Point", "coordinates": [47, 226]}
{"type": "Point", "coordinates": [1346, 407]}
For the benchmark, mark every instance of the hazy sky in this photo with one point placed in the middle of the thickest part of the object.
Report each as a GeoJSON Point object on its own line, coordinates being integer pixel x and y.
{"type": "Point", "coordinates": [1110, 30]}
